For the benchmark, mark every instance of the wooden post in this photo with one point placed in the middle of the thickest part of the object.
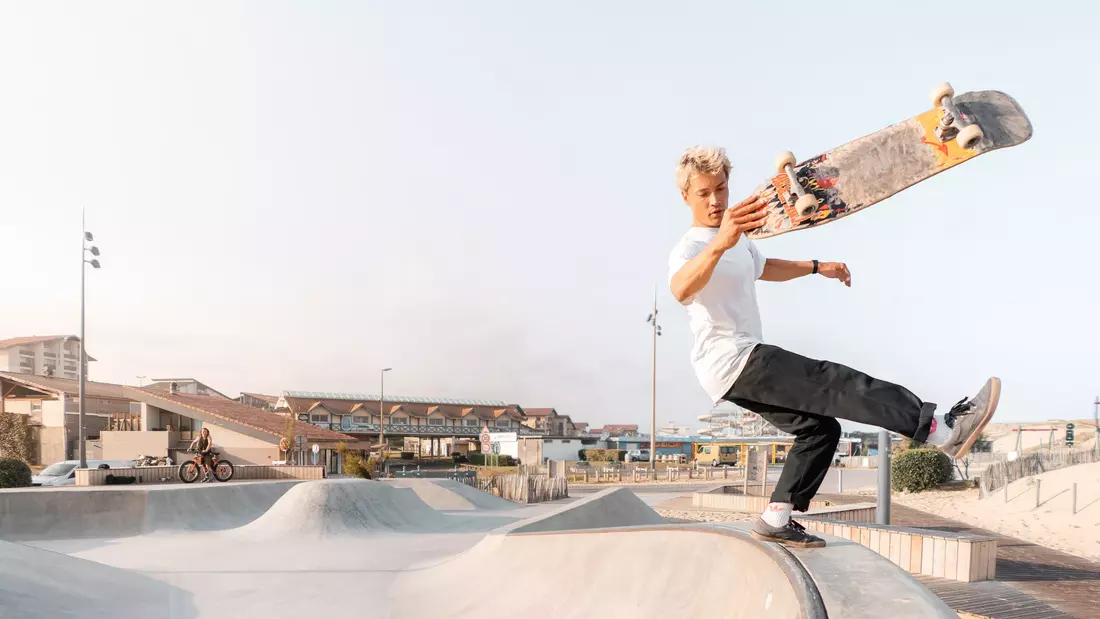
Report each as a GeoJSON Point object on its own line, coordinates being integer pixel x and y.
{"type": "Point", "coordinates": [1037, 484]}
{"type": "Point", "coordinates": [1074, 498]}
{"type": "Point", "coordinates": [840, 481]}
{"type": "Point", "coordinates": [1006, 492]}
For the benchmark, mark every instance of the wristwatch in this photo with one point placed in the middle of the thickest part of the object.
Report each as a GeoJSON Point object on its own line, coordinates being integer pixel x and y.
{"type": "Point", "coordinates": [815, 267]}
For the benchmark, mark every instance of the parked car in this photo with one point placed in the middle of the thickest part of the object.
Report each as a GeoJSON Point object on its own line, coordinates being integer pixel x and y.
{"type": "Point", "coordinates": [64, 473]}
{"type": "Point", "coordinates": [637, 455]}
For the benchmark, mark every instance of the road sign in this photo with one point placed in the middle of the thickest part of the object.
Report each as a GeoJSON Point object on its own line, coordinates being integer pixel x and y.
{"type": "Point", "coordinates": [1069, 434]}
{"type": "Point", "coordinates": [316, 448]}
{"type": "Point", "coordinates": [486, 440]}
{"type": "Point", "coordinates": [300, 441]}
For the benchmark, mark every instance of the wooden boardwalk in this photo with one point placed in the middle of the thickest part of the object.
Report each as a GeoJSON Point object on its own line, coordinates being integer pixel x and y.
{"type": "Point", "coordinates": [1033, 582]}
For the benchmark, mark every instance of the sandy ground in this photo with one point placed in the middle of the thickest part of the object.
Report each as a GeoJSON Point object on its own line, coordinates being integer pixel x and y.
{"type": "Point", "coordinates": [1052, 524]}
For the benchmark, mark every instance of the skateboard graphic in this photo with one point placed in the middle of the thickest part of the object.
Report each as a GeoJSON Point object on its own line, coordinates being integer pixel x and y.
{"type": "Point", "coordinates": [872, 168]}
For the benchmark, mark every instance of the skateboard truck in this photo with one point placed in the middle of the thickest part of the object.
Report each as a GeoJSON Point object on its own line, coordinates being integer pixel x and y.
{"type": "Point", "coordinates": [953, 124]}
{"type": "Point", "coordinates": [804, 202]}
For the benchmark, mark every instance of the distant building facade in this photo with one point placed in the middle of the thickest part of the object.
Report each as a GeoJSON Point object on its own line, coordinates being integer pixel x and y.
{"type": "Point", "coordinates": [42, 355]}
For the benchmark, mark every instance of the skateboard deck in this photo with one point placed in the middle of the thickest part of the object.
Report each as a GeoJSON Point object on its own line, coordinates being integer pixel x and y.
{"type": "Point", "coordinates": [870, 169]}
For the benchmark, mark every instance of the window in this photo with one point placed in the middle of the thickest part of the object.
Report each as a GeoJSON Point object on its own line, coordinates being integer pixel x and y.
{"type": "Point", "coordinates": [361, 419]}
{"type": "Point", "coordinates": [36, 406]}
{"type": "Point", "coordinates": [49, 355]}
{"type": "Point", "coordinates": [435, 422]}
{"type": "Point", "coordinates": [471, 423]}
{"type": "Point", "coordinates": [26, 351]}
{"type": "Point", "coordinates": [400, 420]}
{"type": "Point", "coordinates": [503, 423]}
{"type": "Point", "coordinates": [319, 417]}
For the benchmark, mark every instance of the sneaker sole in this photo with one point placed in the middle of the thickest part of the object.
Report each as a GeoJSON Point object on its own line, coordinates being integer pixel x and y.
{"type": "Point", "coordinates": [994, 398]}
{"type": "Point", "coordinates": [786, 542]}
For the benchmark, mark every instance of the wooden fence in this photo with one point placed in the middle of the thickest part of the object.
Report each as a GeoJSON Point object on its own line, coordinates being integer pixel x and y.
{"type": "Point", "coordinates": [1000, 474]}
{"type": "Point", "coordinates": [526, 488]}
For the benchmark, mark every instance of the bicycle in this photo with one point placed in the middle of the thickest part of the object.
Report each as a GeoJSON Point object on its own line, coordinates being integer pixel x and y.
{"type": "Point", "coordinates": [189, 471]}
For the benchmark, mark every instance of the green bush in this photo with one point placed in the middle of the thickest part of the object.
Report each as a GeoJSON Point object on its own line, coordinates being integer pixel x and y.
{"type": "Point", "coordinates": [354, 463]}
{"type": "Point", "coordinates": [603, 455]}
{"type": "Point", "coordinates": [917, 470]}
{"type": "Point", "coordinates": [480, 459]}
{"type": "Point", "coordinates": [14, 473]}
{"type": "Point", "coordinates": [355, 466]}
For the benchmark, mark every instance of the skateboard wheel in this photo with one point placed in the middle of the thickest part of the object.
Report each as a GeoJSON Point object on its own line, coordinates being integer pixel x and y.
{"type": "Point", "coordinates": [941, 91]}
{"type": "Point", "coordinates": [806, 204]}
{"type": "Point", "coordinates": [784, 160]}
{"type": "Point", "coordinates": [969, 136]}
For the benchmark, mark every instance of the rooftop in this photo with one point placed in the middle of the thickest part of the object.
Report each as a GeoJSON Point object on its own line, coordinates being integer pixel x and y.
{"type": "Point", "coordinates": [68, 387]}
{"type": "Point", "coordinates": [34, 339]}
{"type": "Point", "coordinates": [236, 412]}
{"type": "Point", "coordinates": [367, 397]}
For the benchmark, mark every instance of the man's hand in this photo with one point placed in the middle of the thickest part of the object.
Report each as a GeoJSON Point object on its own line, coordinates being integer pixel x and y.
{"type": "Point", "coordinates": [835, 270]}
{"type": "Point", "coordinates": [747, 215]}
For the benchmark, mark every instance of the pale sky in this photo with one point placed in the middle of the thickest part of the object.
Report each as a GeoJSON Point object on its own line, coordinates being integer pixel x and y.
{"type": "Point", "coordinates": [293, 195]}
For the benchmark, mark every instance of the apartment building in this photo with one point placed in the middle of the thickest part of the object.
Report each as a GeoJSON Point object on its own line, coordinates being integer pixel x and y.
{"type": "Point", "coordinates": [549, 421]}
{"type": "Point", "coordinates": [42, 355]}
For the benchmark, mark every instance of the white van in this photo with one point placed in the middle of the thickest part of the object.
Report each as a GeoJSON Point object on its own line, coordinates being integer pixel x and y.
{"type": "Point", "coordinates": [64, 473]}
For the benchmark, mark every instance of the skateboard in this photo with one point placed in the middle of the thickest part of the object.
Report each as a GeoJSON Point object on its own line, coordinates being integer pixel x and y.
{"type": "Point", "coordinates": [870, 169]}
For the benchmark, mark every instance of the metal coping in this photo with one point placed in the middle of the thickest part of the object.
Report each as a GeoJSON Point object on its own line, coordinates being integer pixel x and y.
{"type": "Point", "coordinates": [345, 395]}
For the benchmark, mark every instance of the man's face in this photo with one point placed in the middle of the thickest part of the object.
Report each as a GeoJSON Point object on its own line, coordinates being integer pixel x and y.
{"type": "Point", "coordinates": [707, 195]}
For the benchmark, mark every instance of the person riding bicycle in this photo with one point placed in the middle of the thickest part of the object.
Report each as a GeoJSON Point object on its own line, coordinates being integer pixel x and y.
{"type": "Point", "coordinates": [205, 445]}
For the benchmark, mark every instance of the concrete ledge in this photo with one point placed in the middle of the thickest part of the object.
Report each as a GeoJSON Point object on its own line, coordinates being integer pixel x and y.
{"type": "Point", "coordinates": [154, 474]}
{"type": "Point", "coordinates": [857, 512]}
{"type": "Point", "coordinates": [955, 556]}
{"type": "Point", "coordinates": [729, 497]}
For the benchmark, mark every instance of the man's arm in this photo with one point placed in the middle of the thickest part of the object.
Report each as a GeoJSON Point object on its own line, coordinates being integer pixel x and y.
{"type": "Point", "coordinates": [776, 270]}
{"type": "Point", "coordinates": [694, 275]}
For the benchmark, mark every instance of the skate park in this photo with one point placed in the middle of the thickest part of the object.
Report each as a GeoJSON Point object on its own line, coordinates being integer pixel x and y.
{"type": "Point", "coordinates": [283, 549]}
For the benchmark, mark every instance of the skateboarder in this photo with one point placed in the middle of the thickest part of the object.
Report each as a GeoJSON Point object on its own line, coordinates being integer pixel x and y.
{"type": "Point", "coordinates": [712, 273]}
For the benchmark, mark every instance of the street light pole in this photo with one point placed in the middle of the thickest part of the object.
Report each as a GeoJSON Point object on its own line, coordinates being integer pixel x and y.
{"type": "Point", "coordinates": [653, 387]}
{"type": "Point", "coordinates": [382, 411]}
{"type": "Point", "coordinates": [1096, 422]}
{"type": "Point", "coordinates": [86, 237]}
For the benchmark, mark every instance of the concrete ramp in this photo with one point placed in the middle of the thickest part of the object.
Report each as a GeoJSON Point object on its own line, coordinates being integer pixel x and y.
{"type": "Point", "coordinates": [109, 512]}
{"type": "Point", "coordinates": [39, 584]}
{"type": "Point", "coordinates": [453, 495]}
{"type": "Point", "coordinates": [340, 507]}
{"type": "Point", "coordinates": [661, 571]}
{"type": "Point", "coordinates": [655, 573]}
{"type": "Point", "coordinates": [614, 507]}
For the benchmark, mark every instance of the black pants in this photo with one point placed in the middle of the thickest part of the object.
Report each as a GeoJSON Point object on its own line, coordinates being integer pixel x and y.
{"type": "Point", "coordinates": [805, 397]}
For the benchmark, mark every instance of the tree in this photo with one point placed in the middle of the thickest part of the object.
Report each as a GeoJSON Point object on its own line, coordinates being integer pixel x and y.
{"type": "Point", "coordinates": [288, 437]}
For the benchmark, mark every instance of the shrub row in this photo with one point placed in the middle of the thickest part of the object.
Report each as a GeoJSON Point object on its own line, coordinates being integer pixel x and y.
{"type": "Point", "coordinates": [603, 455]}
{"type": "Point", "coordinates": [14, 473]}
{"type": "Point", "coordinates": [917, 470]}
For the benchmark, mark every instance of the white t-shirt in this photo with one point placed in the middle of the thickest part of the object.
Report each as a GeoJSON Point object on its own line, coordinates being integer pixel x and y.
{"type": "Point", "coordinates": [724, 316]}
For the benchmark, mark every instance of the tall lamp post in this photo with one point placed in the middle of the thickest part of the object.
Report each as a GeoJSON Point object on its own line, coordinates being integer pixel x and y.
{"type": "Point", "coordinates": [85, 249]}
{"type": "Point", "coordinates": [382, 411]}
{"type": "Point", "coordinates": [652, 319]}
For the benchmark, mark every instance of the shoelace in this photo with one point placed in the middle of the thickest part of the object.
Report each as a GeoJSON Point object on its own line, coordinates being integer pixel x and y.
{"type": "Point", "coordinates": [796, 526]}
{"type": "Point", "coordinates": [962, 407]}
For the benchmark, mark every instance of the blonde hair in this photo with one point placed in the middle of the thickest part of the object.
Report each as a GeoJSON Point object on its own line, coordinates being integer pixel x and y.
{"type": "Point", "coordinates": [701, 160]}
